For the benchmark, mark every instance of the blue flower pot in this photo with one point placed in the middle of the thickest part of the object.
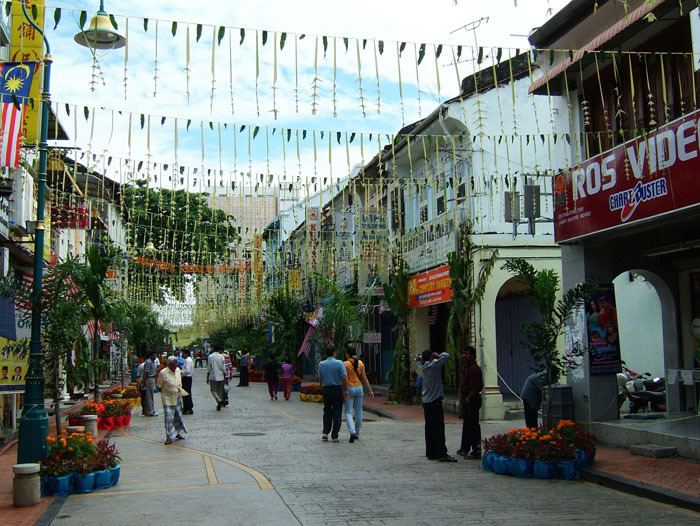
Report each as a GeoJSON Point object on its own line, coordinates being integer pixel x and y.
{"type": "Point", "coordinates": [114, 472]}
{"type": "Point", "coordinates": [521, 468]}
{"type": "Point", "coordinates": [591, 457]}
{"type": "Point", "coordinates": [567, 470]}
{"type": "Point", "coordinates": [501, 465]}
{"type": "Point", "coordinates": [103, 479]}
{"type": "Point", "coordinates": [487, 461]}
{"type": "Point", "coordinates": [47, 484]}
{"type": "Point", "coordinates": [61, 486]}
{"type": "Point", "coordinates": [84, 483]}
{"type": "Point", "coordinates": [544, 469]}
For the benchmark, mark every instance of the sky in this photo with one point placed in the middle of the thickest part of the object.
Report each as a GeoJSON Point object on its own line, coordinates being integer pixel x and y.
{"type": "Point", "coordinates": [328, 87]}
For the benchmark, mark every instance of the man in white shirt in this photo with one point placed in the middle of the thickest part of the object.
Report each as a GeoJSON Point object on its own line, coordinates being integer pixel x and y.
{"type": "Point", "coordinates": [186, 373]}
{"type": "Point", "coordinates": [216, 375]}
{"type": "Point", "coordinates": [170, 384]}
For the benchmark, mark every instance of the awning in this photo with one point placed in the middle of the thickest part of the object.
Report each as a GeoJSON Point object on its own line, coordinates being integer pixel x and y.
{"type": "Point", "coordinates": [633, 17]}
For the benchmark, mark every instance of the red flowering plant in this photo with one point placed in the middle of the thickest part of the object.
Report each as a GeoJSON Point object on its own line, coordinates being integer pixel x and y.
{"type": "Point", "coordinates": [107, 455]}
{"type": "Point", "coordinates": [499, 444]}
{"type": "Point", "coordinates": [91, 408]}
{"type": "Point", "coordinates": [116, 408]}
{"type": "Point", "coordinates": [575, 435]}
{"type": "Point", "coordinates": [553, 448]}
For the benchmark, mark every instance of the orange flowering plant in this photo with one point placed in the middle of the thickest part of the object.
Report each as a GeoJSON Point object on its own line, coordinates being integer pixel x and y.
{"type": "Point", "coordinates": [91, 408]}
{"type": "Point", "coordinates": [68, 452]}
{"type": "Point", "coordinates": [116, 408]}
{"type": "Point", "coordinates": [557, 443]}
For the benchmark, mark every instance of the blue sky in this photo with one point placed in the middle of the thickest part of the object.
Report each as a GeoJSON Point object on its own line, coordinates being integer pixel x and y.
{"type": "Point", "coordinates": [254, 84]}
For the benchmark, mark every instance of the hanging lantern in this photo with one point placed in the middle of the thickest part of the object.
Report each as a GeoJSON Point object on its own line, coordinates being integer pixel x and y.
{"type": "Point", "coordinates": [100, 33]}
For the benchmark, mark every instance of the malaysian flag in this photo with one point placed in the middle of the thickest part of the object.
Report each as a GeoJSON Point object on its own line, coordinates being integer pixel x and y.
{"type": "Point", "coordinates": [15, 81]}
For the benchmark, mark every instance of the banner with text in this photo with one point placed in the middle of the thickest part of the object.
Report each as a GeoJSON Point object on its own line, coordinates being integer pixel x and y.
{"type": "Point", "coordinates": [430, 288]}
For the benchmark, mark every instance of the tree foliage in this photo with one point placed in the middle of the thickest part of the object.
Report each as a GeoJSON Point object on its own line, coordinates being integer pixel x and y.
{"type": "Point", "coordinates": [138, 324]}
{"type": "Point", "coordinates": [396, 294]}
{"type": "Point", "coordinates": [177, 221]}
{"type": "Point", "coordinates": [540, 338]}
{"type": "Point", "coordinates": [286, 317]}
{"type": "Point", "coordinates": [344, 314]}
{"type": "Point", "coordinates": [468, 291]}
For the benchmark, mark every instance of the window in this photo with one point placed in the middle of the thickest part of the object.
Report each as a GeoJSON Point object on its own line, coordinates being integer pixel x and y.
{"type": "Point", "coordinates": [423, 213]}
{"type": "Point", "coordinates": [440, 204]}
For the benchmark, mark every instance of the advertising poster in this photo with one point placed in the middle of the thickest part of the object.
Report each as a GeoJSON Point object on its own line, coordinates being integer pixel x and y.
{"type": "Point", "coordinates": [14, 361]}
{"type": "Point", "coordinates": [602, 332]}
{"type": "Point", "coordinates": [430, 288]}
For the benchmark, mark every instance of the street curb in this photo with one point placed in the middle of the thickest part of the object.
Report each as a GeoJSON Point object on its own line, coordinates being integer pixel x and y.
{"type": "Point", "coordinates": [8, 446]}
{"type": "Point", "coordinates": [51, 512]}
{"type": "Point", "coordinates": [641, 489]}
{"type": "Point", "coordinates": [379, 412]}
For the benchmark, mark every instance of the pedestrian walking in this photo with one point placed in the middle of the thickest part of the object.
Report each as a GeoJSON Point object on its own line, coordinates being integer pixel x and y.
{"type": "Point", "coordinates": [355, 370]}
{"type": "Point", "coordinates": [243, 364]}
{"type": "Point", "coordinates": [432, 394]}
{"type": "Point", "coordinates": [531, 395]}
{"type": "Point", "coordinates": [470, 386]}
{"type": "Point", "coordinates": [228, 374]}
{"type": "Point", "coordinates": [216, 376]}
{"type": "Point", "coordinates": [150, 369]}
{"type": "Point", "coordinates": [334, 380]}
{"type": "Point", "coordinates": [272, 369]}
{"type": "Point", "coordinates": [171, 392]}
{"type": "Point", "coordinates": [141, 386]}
{"type": "Point", "coordinates": [186, 373]}
{"type": "Point", "coordinates": [286, 378]}
{"type": "Point", "coordinates": [198, 361]}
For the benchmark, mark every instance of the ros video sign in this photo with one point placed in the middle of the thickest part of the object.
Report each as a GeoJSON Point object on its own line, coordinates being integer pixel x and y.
{"type": "Point", "coordinates": [648, 176]}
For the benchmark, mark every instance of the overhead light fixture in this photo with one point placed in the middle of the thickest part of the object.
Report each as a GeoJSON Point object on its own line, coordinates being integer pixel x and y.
{"type": "Point", "coordinates": [101, 33]}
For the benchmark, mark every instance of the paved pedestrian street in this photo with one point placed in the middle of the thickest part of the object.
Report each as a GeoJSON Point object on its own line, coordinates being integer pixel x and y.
{"type": "Point", "coordinates": [263, 462]}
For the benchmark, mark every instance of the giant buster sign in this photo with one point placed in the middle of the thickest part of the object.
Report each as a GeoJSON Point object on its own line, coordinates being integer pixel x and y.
{"type": "Point", "coordinates": [643, 178]}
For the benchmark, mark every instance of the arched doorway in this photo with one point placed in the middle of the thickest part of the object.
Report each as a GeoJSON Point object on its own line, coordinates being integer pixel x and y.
{"type": "Point", "coordinates": [646, 312]}
{"type": "Point", "coordinates": [514, 363]}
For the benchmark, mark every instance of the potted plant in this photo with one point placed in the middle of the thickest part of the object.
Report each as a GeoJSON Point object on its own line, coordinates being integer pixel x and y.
{"type": "Point", "coordinates": [84, 478]}
{"type": "Point", "coordinates": [56, 470]}
{"type": "Point", "coordinates": [311, 392]}
{"type": "Point", "coordinates": [106, 464]}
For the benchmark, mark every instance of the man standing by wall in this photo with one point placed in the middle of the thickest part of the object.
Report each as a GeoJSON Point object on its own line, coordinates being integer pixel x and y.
{"type": "Point", "coordinates": [216, 375]}
{"type": "Point", "coordinates": [432, 395]}
{"type": "Point", "coordinates": [334, 380]}
{"type": "Point", "coordinates": [186, 373]}
{"type": "Point", "coordinates": [470, 386]}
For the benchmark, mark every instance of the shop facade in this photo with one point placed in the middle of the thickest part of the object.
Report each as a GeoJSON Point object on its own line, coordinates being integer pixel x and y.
{"type": "Point", "coordinates": [629, 211]}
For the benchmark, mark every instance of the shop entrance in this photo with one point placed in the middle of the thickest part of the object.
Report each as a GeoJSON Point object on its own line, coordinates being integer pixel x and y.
{"type": "Point", "coordinates": [647, 329]}
{"type": "Point", "coordinates": [514, 362]}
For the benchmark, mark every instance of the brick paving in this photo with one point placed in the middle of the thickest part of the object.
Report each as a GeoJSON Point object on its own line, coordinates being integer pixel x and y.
{"type": "Point", "coordinates": [409, 413]}
{"type": "Point", "coordinates": [10, 516]}
{"type": "Point", "coordinates": [674, 474]}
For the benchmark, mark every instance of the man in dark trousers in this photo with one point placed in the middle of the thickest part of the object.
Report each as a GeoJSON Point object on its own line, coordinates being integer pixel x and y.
{"type": "Point", "coordinates": [186, 375]}
{"type": "Point", "coordinates": [334, 380]}
{"type": "Point", "coordinates": [432, 395]}
{"type": "Point", "coordinates": [470, 386]}
{"type": "Point", "coordinates": [531, 394]}
{"type": "Point", "coordinates": [243, 365]}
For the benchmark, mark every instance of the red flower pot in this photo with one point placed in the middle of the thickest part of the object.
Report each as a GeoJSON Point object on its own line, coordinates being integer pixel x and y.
{"type": "Point", "coordinates": [75, 421]}
{"type": "Point", "coordinates": [107, 423]}
{"type": "Point", "coordinates": [118, 421]}
{"type": "Point", "coordinates": [127, 420]}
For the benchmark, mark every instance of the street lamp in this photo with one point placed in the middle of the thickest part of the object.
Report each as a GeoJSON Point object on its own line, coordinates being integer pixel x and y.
{"type": "Point", "coordinates": [34, 426]}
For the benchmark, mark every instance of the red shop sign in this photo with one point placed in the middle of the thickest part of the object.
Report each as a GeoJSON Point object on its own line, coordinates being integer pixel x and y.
{"type": "Point", "coordinates": [430, 288]}
{"type": "Point", "coordinates": [643, 178]}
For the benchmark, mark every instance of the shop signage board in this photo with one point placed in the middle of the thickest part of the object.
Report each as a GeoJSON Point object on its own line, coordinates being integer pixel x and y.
{"type": "Point", "coordinates": [645, 177]}
{"type": "Point", "coordinates": [430, 288]}
{"type": "Point", "coordinates": [602, 332]}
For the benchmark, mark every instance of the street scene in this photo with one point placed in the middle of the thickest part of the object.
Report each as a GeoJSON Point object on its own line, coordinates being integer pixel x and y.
{"type": "Point", "coordinates": [263, 462]}
{"type": "Point", "coordinates": [349, 263]}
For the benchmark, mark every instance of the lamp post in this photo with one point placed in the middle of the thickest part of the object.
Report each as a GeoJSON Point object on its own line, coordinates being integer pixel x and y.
{"type": "Point", "coordinates": [34, 426]}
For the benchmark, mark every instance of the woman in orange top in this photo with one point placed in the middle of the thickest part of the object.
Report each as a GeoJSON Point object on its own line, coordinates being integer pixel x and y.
{"type": "Point", "coordinates": [356, 377]}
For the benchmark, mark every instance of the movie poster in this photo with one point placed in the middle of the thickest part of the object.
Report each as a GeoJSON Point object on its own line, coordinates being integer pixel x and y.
{"type": "Point", "coordinates": [602, 332]}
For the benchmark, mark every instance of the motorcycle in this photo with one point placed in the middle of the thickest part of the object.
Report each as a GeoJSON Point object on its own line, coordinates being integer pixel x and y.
{"type": "Point", "coordinates": [642, 391]}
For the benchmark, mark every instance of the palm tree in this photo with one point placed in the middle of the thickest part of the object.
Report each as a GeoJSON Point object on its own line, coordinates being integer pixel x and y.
{"type": "Point", "coordinates": [286, 318]}
{"type": "Point", "coordinates": [91, 280]}
{"type": "Point", "coordinates": [396, 294]}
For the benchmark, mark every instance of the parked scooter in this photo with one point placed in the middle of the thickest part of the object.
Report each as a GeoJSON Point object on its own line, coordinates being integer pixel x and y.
{"type": "Point", "coordinates": [642, 391]}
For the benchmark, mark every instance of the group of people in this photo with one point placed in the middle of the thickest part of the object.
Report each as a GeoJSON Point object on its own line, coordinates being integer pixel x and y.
{"type": "Point", "coordinates": [342, 388]}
